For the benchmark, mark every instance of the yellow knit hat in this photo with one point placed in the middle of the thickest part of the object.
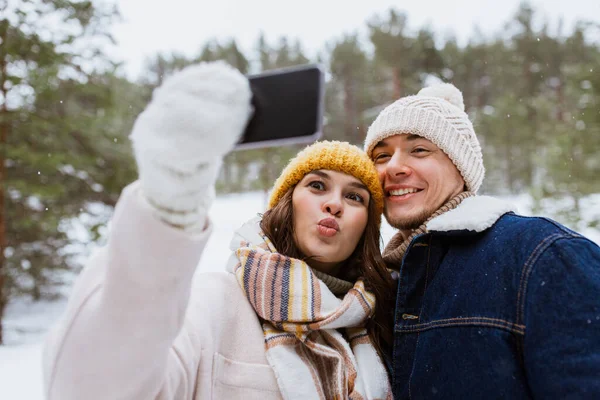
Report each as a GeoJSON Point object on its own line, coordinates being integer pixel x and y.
{"type": "Point", "coordinates": [332, 155]}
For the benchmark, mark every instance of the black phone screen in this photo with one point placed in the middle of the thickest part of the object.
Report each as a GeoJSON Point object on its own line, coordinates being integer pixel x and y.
{"type": "Point", "coordinates": [288, 106]}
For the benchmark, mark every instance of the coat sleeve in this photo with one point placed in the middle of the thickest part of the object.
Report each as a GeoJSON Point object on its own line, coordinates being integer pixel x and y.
{"type": "Point", "coordinates": [562, 319]}
{"type": "Point", "coordinates": [121, 336]}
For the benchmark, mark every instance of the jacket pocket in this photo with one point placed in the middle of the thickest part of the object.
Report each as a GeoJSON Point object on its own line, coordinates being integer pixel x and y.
{"type": "Point", "coordinates": [241, 380]}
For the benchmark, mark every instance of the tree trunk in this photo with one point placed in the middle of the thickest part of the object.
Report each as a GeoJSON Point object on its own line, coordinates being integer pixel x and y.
{"type": "Point", "coordinates": [530, 165]}
{"type": "Point", "coordinates": [350, 118]}
{"type": "Point", "coordinates": [507, 147]}
{"type": "Point", "coordinates": [3, 143]}
{"type": "Point", "coordinates": [397, 83]}
{"type": "Point", "coordinates": [560, 95]}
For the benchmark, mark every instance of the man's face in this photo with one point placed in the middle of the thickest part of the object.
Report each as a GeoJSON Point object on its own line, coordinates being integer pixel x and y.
{"type": "Point", "coordinates": [417, 179]}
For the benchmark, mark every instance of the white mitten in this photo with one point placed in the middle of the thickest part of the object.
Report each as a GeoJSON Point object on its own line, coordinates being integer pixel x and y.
{"type": "Point", "coordinates": [179, 141]}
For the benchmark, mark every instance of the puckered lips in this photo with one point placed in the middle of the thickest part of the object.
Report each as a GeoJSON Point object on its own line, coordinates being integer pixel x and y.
{"type": "Point", "coordinates": [328, 227]}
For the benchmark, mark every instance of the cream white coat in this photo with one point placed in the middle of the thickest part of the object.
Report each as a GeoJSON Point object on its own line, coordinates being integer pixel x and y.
{"type": "Point", "coordinates": [136, 328]}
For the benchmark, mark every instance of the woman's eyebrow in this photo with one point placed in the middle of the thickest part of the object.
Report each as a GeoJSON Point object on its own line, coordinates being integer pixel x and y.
{"type": "Point", "coordinates": [325, 175]}
{"type": "Point", "coordinates": [322, 174]}
{"type": "Point", "coordinates": [358, 185]}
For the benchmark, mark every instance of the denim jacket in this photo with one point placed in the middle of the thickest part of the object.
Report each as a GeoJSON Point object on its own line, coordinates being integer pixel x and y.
{"type": "Point", "coordinates": [493, 305]}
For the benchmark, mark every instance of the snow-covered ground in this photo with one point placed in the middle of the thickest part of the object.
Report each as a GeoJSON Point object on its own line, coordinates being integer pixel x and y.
{"type": "Point", "coordinates": [26, 323]}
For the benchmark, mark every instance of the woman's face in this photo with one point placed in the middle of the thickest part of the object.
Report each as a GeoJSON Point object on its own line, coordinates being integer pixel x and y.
{"type": "Point", "coordinates": [330, 216]}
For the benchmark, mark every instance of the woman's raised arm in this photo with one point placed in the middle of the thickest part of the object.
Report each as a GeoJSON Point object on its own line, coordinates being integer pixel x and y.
{"type": "Point", "coordinates": [121, 336]}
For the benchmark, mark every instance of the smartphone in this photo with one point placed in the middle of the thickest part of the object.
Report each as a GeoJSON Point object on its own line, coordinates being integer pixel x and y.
{"type": "Point", "coordinates": [288, 107]}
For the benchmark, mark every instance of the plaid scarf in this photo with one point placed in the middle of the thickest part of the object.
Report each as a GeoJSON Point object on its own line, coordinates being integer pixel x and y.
{"type": "Point", "coordinates": [304, 325]}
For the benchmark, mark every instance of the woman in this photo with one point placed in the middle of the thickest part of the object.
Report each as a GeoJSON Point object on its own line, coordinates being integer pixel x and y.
{"type": "Point", "coordinates": [300, 311]}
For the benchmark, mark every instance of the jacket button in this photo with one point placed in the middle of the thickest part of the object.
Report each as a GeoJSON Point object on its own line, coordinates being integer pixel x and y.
{"type": "Point", "coordinates": [409, 316]}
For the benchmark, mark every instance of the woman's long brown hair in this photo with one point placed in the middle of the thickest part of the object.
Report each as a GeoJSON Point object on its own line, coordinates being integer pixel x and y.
{"type": "Point", "coordinates": [366, 261]}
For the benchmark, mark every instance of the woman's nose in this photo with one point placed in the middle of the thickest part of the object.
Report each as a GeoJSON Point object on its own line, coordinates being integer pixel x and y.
{"type": "Point", "coordinates": [333, 205]}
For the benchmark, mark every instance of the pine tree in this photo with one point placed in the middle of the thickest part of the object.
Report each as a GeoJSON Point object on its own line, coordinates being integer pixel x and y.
{"type": "Point", "coordinates": [54, 90]}
{"type": "Point", "coordinates": [350, 92]}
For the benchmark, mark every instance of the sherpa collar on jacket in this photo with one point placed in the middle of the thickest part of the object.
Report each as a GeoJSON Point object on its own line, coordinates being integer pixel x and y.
{"type": "Point", "coordinates": [476, 213]}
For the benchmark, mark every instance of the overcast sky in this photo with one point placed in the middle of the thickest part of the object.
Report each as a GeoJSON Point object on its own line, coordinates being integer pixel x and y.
{"type": "Point", "coordinates": [184, 25]}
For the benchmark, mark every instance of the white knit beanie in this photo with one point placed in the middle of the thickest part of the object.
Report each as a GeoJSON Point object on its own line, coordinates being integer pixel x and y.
{"type": "Point", "coordinates": [436, 113]}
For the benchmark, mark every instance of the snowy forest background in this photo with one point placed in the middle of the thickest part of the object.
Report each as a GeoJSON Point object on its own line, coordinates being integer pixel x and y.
{"type": "Point", "coordinates": [66, 109]}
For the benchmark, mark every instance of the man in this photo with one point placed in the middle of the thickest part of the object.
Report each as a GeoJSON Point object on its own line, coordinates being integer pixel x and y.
{"type": "Point", "coordinates": [490, 304]}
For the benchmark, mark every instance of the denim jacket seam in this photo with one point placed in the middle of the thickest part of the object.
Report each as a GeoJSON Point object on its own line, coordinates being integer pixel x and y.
{"type": "Point", "coordinates": [528, 268]}
{"type": "Point", "coordinates": [420, 312]}
{"type": "Point", "coordinates": [461, 321]}
{"type": "Point", "coordinates": [400, 276]}
{"type": "Point", "coordinates": [426, 273]}
{"type": "Point", "coordinates": [563, 229]}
